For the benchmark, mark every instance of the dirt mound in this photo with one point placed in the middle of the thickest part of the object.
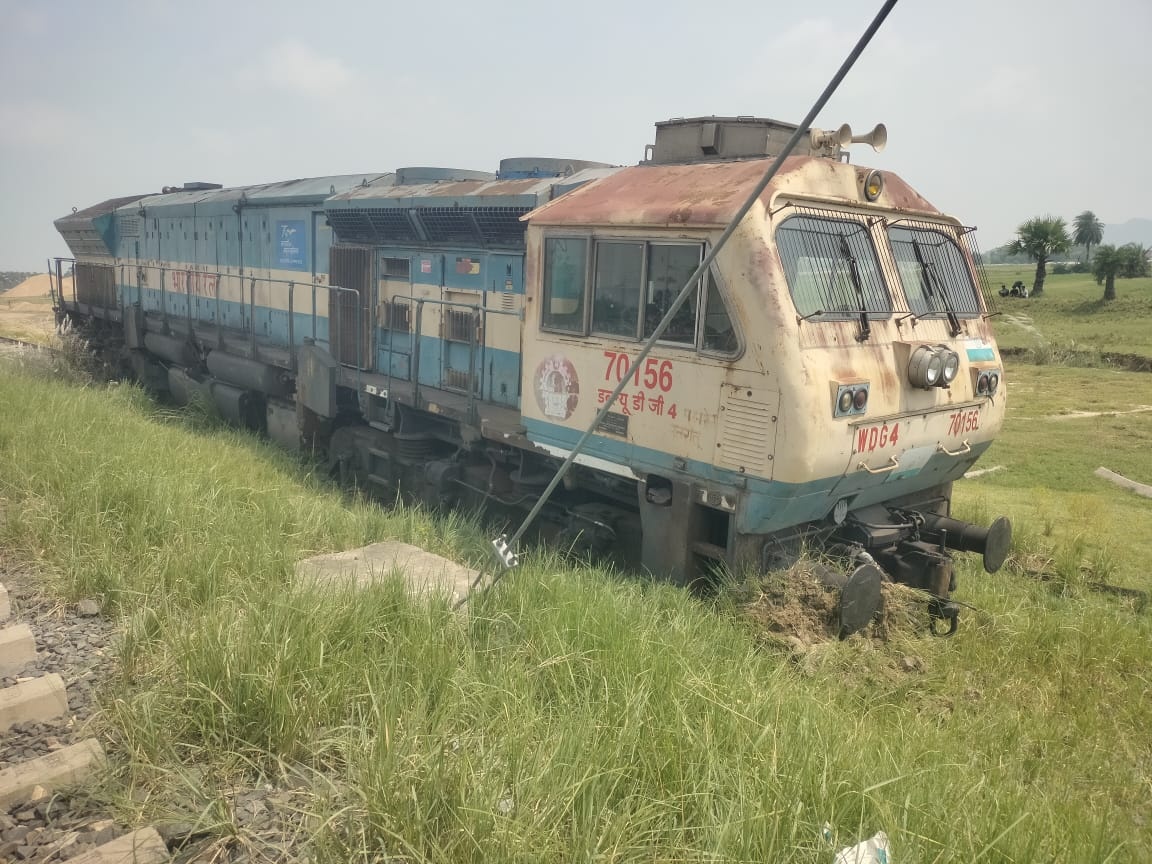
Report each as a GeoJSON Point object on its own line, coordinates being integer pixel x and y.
{"type": "Point", "coordinates": [791, 608]}
{"type": "Point", "coordinates": [34, 286]}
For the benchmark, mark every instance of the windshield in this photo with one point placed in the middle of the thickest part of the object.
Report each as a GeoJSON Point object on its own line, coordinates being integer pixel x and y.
{"type": "Point", "coordinates": [933, 272]}
{"type": "Point", "coordinates": [831, 268]}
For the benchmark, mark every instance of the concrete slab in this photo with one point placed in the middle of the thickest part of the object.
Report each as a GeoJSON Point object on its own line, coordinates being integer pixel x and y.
{"type": "Point", "coordinates": [424, 573]}
{"type": "Point", "coordinates": [145, 846]}
{"type": "Point", "coordinates": [5, 604]}
{"type": "Point", "coordinates": [972, 475]}
{"type": "Point", "coordinates": [66, 767]}
{"type": "Point", "coordinates": [17, 648]}
{"type": "Point", "coordinates": [1139, 488]}
{"type": "Point", "coordinates": [38, 699]}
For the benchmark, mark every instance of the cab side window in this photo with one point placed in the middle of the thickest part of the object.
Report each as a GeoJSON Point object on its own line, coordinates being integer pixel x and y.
{"type": "Point", "coordinates": [719, 333]}
{"type": "Point", "coordinates": [624, 288]}
{"type": "Point", "coordinates": [565, 278]}
{"type": "Point", "coordinates": [669, 267]}
{"type": "Point", "coordinates": [616, 292]}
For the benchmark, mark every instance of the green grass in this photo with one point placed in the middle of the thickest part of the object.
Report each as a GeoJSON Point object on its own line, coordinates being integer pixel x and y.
{"type": "Point", "coordinates": [1072, 314]}
{"type": "Point", "coordinates": [574, 715]}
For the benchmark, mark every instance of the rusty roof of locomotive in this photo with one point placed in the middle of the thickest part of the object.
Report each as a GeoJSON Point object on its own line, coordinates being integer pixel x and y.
{"type": "Point", "coordinates": [709, 194]}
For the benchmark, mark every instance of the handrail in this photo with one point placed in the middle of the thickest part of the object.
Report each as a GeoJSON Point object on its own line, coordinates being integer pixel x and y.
{"type": "Point", "coordinates": [60, 278]}
{"type": "Point", "coordinates": [247, 285]}
{"type": "Point", "coordinates": [893, 464]}
{"type": "Point", "coordinates": [965, 449]}
{"type": "Point", "coordinates": [475, 307]}
{"type": "Point", "coordinates": [359, 365]}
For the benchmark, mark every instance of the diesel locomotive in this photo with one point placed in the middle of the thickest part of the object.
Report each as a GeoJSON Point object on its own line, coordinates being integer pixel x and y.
{"type": "Point", "coordinates": [450, 335]}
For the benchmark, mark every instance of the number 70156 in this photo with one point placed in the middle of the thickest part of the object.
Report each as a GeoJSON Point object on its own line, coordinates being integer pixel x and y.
{"type": "Point", "coordinates": [656, 374]}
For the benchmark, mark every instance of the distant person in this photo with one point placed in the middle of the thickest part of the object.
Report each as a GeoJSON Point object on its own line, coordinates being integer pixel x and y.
{"type": "Point", "coordinates": [1003, 290]}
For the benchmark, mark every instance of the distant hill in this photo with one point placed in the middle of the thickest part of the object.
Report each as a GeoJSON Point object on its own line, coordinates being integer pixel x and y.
{"type": "Point", "coordinates": [9, 279]}
{"type": "Point", "coordinates": [1132, 231]}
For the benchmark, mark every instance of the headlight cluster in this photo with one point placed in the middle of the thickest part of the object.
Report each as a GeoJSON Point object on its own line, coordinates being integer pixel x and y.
{"type": "Point", "coordinates": [851, 399]}
{"type": "Point", "coordinates": [988, 382]}
{"type": "Point", "coordinates": [933, 366]}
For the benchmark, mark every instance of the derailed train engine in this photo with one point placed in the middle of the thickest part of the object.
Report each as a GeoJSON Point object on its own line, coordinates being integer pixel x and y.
{"type": "Point", "coordinates": [450, 334]}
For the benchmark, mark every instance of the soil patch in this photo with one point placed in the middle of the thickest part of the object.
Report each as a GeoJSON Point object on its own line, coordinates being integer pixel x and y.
{"type": "Point", "coordinates": [1083, 359]}
{"type": "Point", "coordinates": [792, 609]}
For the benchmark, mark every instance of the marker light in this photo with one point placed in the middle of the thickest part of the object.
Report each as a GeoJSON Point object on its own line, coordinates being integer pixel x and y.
{"type": "Point", "coordinates": [873, 185]}
{"type": "Point", "coordinates": [987, 382]}
{"type": "Point", "coordinates": [851, 399]}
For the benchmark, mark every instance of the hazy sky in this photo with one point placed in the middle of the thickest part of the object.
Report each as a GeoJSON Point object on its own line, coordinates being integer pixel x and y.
{"type": "Point", "coordinates": [996, 111]}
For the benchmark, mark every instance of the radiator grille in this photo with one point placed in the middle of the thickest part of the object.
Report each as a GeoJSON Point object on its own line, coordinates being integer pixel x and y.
{"type": "Point", "coordinates": [395, 268]}
{"type": "Point", "coordinates": [486, 227]}
{"type": "Point", "coordinates": [396, 317]}
{"type": "Point", "coordinates": [459, 326]}
{"type": "Point", "coordinates": [456, 379]}
{"type": "Point", "coordinates": [747, 431]}
{"type": "Point", "coordinates": [96, 285]}
{"type": "Point", "coordinates": [129, 226]}
{"type": "Point", "coordinates": [349, 316]}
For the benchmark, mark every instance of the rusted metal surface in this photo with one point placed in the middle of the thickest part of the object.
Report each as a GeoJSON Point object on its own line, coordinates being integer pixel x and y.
{"type": "Point", "coordinates": [709, 194]}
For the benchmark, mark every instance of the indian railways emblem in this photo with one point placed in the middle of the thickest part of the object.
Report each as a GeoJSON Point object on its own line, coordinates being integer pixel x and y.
{"type": "Point", "coordinates": [557, 387]}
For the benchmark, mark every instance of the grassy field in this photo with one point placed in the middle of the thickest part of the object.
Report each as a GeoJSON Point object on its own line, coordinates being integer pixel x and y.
{"type": "Point", "coordinates": [1071, 314]}
{"type": "Point", "coordinates": [574, 715]}
{"type": "Point", "coordinates": [27, 318]}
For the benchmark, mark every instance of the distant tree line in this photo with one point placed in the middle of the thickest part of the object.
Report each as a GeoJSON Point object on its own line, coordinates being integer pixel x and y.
{"type": "Point", "coordinates": [1043, 238]}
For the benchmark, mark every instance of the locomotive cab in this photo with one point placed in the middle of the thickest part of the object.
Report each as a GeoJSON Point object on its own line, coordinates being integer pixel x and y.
{"type": "Point", "coordinates": [828, 378]}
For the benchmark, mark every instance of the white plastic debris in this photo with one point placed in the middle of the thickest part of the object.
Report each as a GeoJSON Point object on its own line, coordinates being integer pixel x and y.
{"type": "Point", "coordinates": [874, 850]}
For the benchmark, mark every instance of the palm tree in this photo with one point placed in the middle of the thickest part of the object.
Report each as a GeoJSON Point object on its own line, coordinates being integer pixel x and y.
{"type": "Point", "coordinates": [1108, 263]}
{"type": "Point", "coordinates": [1136, 260]}
{"type": "Point", "coordinates": [1130, 261]}
{"type": "Point", "coordinates": [1087, 231]}
{"type": "Point", "coordinates": [1039, 239]}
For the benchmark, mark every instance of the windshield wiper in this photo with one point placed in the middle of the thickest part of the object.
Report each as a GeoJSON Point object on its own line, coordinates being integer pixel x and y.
{"type": "Point", "coordinates": [933, 283]}
{"type": "Point", "coordinates": [854, 271]}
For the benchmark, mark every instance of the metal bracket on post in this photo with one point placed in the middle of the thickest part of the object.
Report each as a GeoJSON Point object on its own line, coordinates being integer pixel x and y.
{"type": "Point", "coordinates": [504, 553]}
